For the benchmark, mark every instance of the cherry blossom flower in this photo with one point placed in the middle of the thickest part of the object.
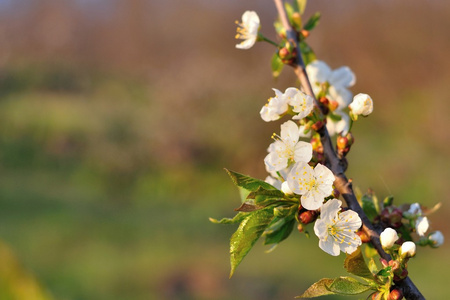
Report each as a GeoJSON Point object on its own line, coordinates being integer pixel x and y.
{"type": "Point", "coordinates": [407, 249]}
{"type": "Point", "coordinates": [422, 225]}
{"type": "Point", "coordinates": [275, 107]}
{"type": "Point", "coordinates": [362, 105]}
{"type": "Point", "coordinates": [314, 184]}
{"type": "Point", "coordinates": [248, 30]}
{"type": "Point", "coordinates": [339, 127]}
{"type": "Point", "coordinates": [388, 238]}
{"type": "Point", "coordinates": [337, 230]}
{"type": "Point", "coordinates": [436, 239]}
{"type": "Point", "coordinates": [338, 80]}
{"type": "Point", "coordinates": [287, 148]}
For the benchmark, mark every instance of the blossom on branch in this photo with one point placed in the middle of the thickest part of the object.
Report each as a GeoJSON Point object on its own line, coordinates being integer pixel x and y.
{"type": "Point", "coordinates": [337, 230]}
{"type": "Point", "coordinates": [338, 81]}
{"type": "Point", "coordinates": [436, 239]}
{"type": "Point", "coordinates": [388, 238]}
{"type": "Point", "coordinates": [275, 107]}
{"type": "Point", "coordinates": [301, 103]}
{"type": "Point", "coordinates": [247, 30]}
{"type": "Point", "coordinates": [362, 105]}
{"type": "Point", "coordinates": [287, 148]}
{"type": "Point", "coordinates": [313, 184]}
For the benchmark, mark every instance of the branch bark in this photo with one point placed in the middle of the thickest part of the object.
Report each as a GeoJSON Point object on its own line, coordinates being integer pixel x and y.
{"type": "Point", "coordinates": [338, 166]}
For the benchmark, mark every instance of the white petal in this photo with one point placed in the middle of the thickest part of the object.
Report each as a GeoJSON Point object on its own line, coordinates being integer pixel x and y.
{"type": "Point", "coordinates": [318, 71]}
{"type": "Point", "coordinates": [250, 17]}
{"type": "Point", "coordinates": [422, 225]}
{"type": "Point", "coordinates": [246, 44]}
{"type": "Point", "coordinates": [342, 77]}
{"type": "Point", "coordinates": [323, 173]}
{"type": "Point", "coordinates": [341, 95]}
{"type": "Point", "coordinates": [275, 162]}
{"type": "Point", "coordinates": [278, 93]}
{"type": "Point", "coordinates": [349, 220]}
{"type": "Point", "coordinates": [291, 93]}
{"type": "Point", "coordinates": [329, 246]}
{"type": "Point", "coordinates": [289, 133]}
{"type": "Point", "coordinates": [311, 200]}
{"type": "Point", "coordinates": [321, 228]}
{"type": "Point", "coordinates": [342, 126]}
{"type": "Point", "coordinates": [330, 209]}
{"type": "Point", "coordinates": [303, 152]}
{"type": "Point", "coordinates": [300, 173]}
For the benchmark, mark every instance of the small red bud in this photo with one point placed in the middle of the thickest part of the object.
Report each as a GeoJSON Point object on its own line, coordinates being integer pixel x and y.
{"type": "Point", "coordinates": [363, 236]}
{"type": "Point", "coordinates": [307, 217]}
{"type": "Point", "coordinates": [392, 216]}
{"type": "Point", "coordinates": [336, 193]}
{"type": "Point", "coordinates": [324, 100]}
{"type": "Point", "coordinates": [396, 294]}
{"type": "Point", "coordinates": [350, 138]}
{"type": "Point", "coordinates": [341, 142]}
{"type": "Point", "coordinates": [395, 265]}
{"type": "Point", "coordinates": [316, 126]}
{"type": "Point", "coordinates": [283, 53]}
{"type": "Point", "coordinates": [305, 33]}
{"type": "Point", "coordinates": [384, 262]}
{"type": "Point", "coordinates": [300, 228]}
{"type": "Point", "coordinates": [376, 296]}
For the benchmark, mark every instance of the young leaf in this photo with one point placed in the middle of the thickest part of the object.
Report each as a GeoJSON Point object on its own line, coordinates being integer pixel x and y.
{"type": "Point", "coordinates": [276, 235]}
{"type": "Point", "coordinates": [247, 184]}
{"type": "Point", "coordinates": [369, 205]}
{"type": "Point", "coordinates": [277, 65]}
{"type": "Point", "coordinates": [248, 207]}
{"type": "Point", "coordinates": [354, 263]}
{"type": "Point", "coordinates": [370, 251]}
{"type": "Point", "coordinates": [312, 22]}
{"type": "Point", "coordinates": [348, 286]}
{"type": "Point", "coordinates": [237, 218]}
{"type": "Point", "coordinates": [249, 231]}
{"type": "Point", "coordinates": [299, 5]}
{"type": "Point", "coordinates": [307, 53]}
{"type": "Point", "coordinates": [372, 266]}
{"type": "Point", "coordinates": [320, 288]}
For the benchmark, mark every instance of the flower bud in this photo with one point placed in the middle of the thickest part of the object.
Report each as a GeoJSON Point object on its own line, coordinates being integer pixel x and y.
{"type": "Point", "coordinates": [388, 238]}
{"type": "Point", "coordinates": [307, 217]}
{"type": "Point", "coordinates": [305, 33]}
{"type": "Point", "coordinates": [362, 105]}
{"type": "Point", "coordinates": [316, 126]}
{"type": "Point", "coordinates": [395, 294]}
{"type": "Point", "coordinates": [341, 142]}
{"type": "Point", "coordinates": [363, 236]}
{"type": "Point", "coordinates": [395, 265]}
{"type": "Point", "coordinates": [436, 239]}
{"type": "Point", "coordinates": [392, 216]}
{"type": "Point", "coordinates": [407, 249]}
{"type": "Point", "coordinates": [422, 225]}
{"type": "Point", "coordinates": [283, 53]}
{"type": "Point", "coordinates": [300, 228]}
{"type": "Point", "coordinates": [384, 262]}
{"type": "Point", "coordinates": [333, 105]}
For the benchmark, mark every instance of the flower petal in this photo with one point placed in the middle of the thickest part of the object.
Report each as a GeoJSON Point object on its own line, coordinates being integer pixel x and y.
{"type": "Point", "coordinates": [329, 246]}
{"type": "Point", "coordinates": [303, 152]}
{"type": "Point", "coordinates": [318, 71]}
{"type": "Point", "coordinates": [330, 209]}
{"type": "Point", "coordinates": [342, 77]}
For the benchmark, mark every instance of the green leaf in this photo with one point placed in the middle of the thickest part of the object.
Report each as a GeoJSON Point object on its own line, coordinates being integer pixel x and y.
{"type": "Point", "coordinates": [348, 286]}
{"type": "Point", "coordinates": [334, 117]}
{"type": "Point", "coordinates": [247, 184]}
{"type": "Point", "coordinates": [248, 207]}
{"type": "Point", "coordinates": [307, 53]}
{"type": "Point", "coordinates": [237, 219]}
{"type": "Point", "coordinates": [386, 272]}
{"type": "Point", "coordinates": [372, 266]}
{"type": "Point", "coordinates": [300, 5]}
{"type": "Point", "coordinates": [354, 263]}
{"type": "Point", "coordinates": [320, 288]}
{"type": "Point", "coordinates": [312, 22]}
{"type": "Point", "coordinates": [289, 10]}
{"type": "Point", "coordinates": [370, 205]}
{"type": "Point", "coordinates": [249, 231]}
{"type": "Point", "coordinates": [277, 65]}
{"type": "Point", "coordinates": [370, 251]}
{"type": "Point", "coordinates": [279, 231]}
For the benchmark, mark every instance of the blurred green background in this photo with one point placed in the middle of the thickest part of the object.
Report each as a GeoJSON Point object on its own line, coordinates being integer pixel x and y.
{"type": "Point", "coordinates": [117, 118]}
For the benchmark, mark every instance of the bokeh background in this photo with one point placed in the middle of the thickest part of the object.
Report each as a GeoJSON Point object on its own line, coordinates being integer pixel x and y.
{"type": "Point", "coordinates": [117, 118]}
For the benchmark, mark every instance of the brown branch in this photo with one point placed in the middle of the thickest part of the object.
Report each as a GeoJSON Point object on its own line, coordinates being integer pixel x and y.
{"type": "Point", "coordinates": [338, 166]}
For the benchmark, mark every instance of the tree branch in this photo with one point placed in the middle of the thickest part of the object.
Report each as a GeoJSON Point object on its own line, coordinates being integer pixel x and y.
{"type": "Point", "coordinates": [338, 166]}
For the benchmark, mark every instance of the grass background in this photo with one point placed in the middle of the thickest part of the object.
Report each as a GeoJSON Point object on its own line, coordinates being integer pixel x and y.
{"type": "Point", "coordinates": [117, 118]}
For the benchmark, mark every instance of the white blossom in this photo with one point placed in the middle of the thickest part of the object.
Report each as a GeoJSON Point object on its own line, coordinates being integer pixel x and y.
{"type": "Point", "coordinates": [388, 238]}
{"type": "Point", "coordinates": [248, 30]}
{"type": "Point", "coordinates": [273, 181]}
{"type": "Point", "coordinates": [436, 238]}
{"type": "Point", "coordinates": [407, 249]}
{"type": "Point", "coordinates": [362, 105]}
{"type": "Point", "coordinates": [301, 103]}
{"type": "Point", "coordinates": [415, 209]}
{"type": "Point", "coordinates": [339, 80]}
{"type": "Point", "coordinates": [338, 127]}
{"type": "Point", "coordinates": [422, 225]}
{"type": "Point", "coordinates": [337, 230]}
{"type": "Point", "coordinates": [287, 148]}
{"type": "Point", "coordinates": [275, 107]}
{"type": "Point", "coordinates": [313, 184]}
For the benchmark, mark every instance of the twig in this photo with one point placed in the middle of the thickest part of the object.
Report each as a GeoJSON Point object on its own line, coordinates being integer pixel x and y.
{"type": "Point", "coordinates": [338, 166]}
